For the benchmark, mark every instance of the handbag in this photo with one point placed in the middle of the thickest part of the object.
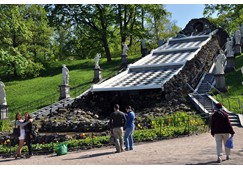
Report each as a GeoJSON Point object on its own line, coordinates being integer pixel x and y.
{"type": "Point", "coordinates": [16, 131]}
{"type": "Point", "coordinates": [229, 143]}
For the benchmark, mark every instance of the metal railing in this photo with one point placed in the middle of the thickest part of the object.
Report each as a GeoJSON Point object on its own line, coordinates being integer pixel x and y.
{"type": "Point", "coordinates": [34, 105]}
{"type": "Point", "coordinates": [232, 103]}
{"type": "Point", "coordinates": [199, 98]}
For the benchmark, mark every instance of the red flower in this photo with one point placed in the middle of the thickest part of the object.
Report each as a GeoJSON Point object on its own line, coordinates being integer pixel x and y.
{"type": "Point", "coordinates": [169, 120]}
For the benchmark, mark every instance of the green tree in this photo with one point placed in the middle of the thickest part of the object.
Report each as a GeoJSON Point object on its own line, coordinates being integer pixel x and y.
{"type": "Point", "coordinates": [160, 27]}
{"type": "Point", "coordinates": [37, 22]}
{"type": "Point", "coordinates": [90, 20]}
{"type": "Point", "coordinates": [229, 16]}
{"type": "Point", "coordinates": [144, 21]}
{"type": "Point", "coordinates": [23, 35]}
{"type": "Point", "coordinates": [103, 27]}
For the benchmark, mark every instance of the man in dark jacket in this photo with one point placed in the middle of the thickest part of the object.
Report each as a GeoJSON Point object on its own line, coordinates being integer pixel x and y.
{"type": "Point", "coordinates": [220, 129]}
{"type": "Point", "coordinates": [28, 134]}
{"type": "Point", "coordinates": [117, 122]}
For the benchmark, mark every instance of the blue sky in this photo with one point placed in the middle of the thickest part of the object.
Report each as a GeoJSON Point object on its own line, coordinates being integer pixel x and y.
{"type": "Point", "coordinates": [183, 13]}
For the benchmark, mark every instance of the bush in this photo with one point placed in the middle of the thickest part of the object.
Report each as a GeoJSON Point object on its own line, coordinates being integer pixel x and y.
{"type": "Point", "coordinates": [4, 125]}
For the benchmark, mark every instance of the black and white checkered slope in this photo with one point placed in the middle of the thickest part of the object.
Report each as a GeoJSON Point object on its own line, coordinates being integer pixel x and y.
{"type": "Point", "coordinates": [155, 69]}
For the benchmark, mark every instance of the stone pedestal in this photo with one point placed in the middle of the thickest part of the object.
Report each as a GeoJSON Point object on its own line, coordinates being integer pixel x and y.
{"type": "Point", "coordinates": [3, 112]}
{"type": "Point", "coordinates": [237, 49]}
{"type": "Point", "coordinates": [124, 59]}
{"type": "Point", "coordinates": [230, 65]}
{"type": "Point", "coordinates": [97, 75]}
{"type": "Point", "coordinates": [220, 82]}
{"type": "Point", "coordinates": [64, 92]}
{"type": "Point", "coordinates": [144, 52]}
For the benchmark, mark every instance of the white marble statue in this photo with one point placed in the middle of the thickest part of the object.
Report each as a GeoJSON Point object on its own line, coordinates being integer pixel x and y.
{"type": "Point", "coordinates": [229, 48]}
{"type": "Point", "coordinates": [3, 100]}
{"type": "Point", "coordinates": [237, 37]}
{"type": "Point", "coordinates": [97, 59]}
{"type": "Point", "coordinates": [219, 63]}
{"type": "Point", "coordinates": [124, 49]}
{"type": "Point", "coordinates": [242, 72]}
{"type": "Point", "coordinates": [65, 75]}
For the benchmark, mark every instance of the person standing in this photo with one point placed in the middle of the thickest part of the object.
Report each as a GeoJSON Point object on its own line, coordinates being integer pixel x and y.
{"type": "Point", "coordinates": [117, 122]}
{"type": "Point", "coordinates": [220, 130]}
{"type": "Point", "coordinates": [129, 126]}
{"type": "Point", "coordinates": [28, 133]}
{"type": "Point", "coordinates": [20, 122]}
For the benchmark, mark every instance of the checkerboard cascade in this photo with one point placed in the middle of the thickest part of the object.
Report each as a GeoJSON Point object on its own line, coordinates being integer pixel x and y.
{"type": "Point", "coordinates": [156, 68]}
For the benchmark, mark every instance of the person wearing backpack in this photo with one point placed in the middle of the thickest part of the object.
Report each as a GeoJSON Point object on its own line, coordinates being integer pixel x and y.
{"type": "Point", "coordinates": [221, 129]}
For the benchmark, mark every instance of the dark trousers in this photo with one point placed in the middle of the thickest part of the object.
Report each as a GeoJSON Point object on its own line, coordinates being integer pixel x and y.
{"type": "Point", "coordinates": [28, 142]}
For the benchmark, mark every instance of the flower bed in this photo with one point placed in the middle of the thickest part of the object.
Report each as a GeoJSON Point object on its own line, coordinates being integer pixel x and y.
{"type": "Point", "coordinates": [164, 127]}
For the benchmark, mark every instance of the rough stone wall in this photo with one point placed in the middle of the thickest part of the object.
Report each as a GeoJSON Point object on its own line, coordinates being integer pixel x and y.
{"type": "Point", "coordinates": [207, 28]}
{"type": "Point", "coordinates": [176, 89]}
{"type": "Point", "coordinates": [101, 103]}
{"type": "Point", "coordinates": [192, 24]}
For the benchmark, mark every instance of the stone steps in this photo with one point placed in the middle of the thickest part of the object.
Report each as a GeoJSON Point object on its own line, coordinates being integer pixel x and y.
{"type": "Point", "coordinates": [207, 103]}
{"type": "Point", "coordinates": [46, 110]}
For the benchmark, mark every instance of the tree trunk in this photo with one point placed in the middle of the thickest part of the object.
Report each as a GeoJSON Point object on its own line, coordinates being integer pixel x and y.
{"type": "Point", "coordinates": [107, 50]}
{"type": "Point", "coordinates": [15, 69]}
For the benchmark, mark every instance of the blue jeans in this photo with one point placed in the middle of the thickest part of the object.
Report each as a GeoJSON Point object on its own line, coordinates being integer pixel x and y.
{"type": "Point", "coordinates": [128, 138]}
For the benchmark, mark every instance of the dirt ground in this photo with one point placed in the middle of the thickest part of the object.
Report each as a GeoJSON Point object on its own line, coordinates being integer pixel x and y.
{"type": "Point", "coordinates": [192, 150]}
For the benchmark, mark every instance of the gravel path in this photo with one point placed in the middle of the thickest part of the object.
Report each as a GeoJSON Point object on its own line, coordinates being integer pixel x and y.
{"type": "Point", "coordinates": [192, 150]}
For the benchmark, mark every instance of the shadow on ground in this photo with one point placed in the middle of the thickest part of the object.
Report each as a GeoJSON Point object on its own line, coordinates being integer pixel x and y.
{"type": "Point", "coordinates": [7, 160]}
{"type": "Point", "coordinates": [206, 163]}
{"type": "Point", "coordinates": [92, 155]}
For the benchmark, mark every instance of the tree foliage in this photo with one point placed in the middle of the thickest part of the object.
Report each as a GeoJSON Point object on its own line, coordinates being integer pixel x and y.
{"type": "Point", "coordinates": [24, 39]}
{"type": "Point", "coordinates": [33, 35]}
{"type": "Point", "coordinates": [229, 16]}
{"type": "Point", "coordinates": [103, 27]}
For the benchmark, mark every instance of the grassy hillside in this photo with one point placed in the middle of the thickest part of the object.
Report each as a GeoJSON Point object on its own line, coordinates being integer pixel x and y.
{"type": "Point", "coordinates": [29, 95]}
{"type": "Point", "coordinates": [234, 95]}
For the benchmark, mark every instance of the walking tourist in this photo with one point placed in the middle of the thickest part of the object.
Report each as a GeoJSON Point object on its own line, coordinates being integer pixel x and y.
{"type": "Point", "coordinates": [129, 128]}
{"type": "Point", "coordinates": [28, 134]}
{"type": "Point", "coordinates": [220, 130]}
{"type": "Point", "coordinates": [117, 122]}
{"type": "Point", "coordinates": [20, 122]}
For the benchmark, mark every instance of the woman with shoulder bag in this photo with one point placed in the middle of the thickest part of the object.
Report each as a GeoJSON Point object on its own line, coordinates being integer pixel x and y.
{"type": "Point", "coordinates": [20, 122]}
{"type": "Point", "coordinates": [221, 130]}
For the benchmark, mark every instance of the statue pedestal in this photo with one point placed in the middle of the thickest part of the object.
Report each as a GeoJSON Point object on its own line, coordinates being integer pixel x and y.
{"type": "Point", "coordinates": [220, 82]}
{"type": "Point", "coordinates": [144, 52]}
{"type": "Point", "coordinates": [97, 75]}
{"type": "Point", "coordinates": [64, 92]}
{"type": "Point", "coordinates": [237, 49]}
{"type": "Point", "coordinates": [230, 66]}
{"type": "Point", "coordinates": [3, 112]}
{"type": "Point", "coordinates": [124, 59]}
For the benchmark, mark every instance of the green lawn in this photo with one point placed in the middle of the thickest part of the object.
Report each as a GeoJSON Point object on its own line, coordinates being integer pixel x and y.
{"type": "Point", "coordinates": [235, 88]}
{"type": "Point", "coordinates": [31, 94]}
